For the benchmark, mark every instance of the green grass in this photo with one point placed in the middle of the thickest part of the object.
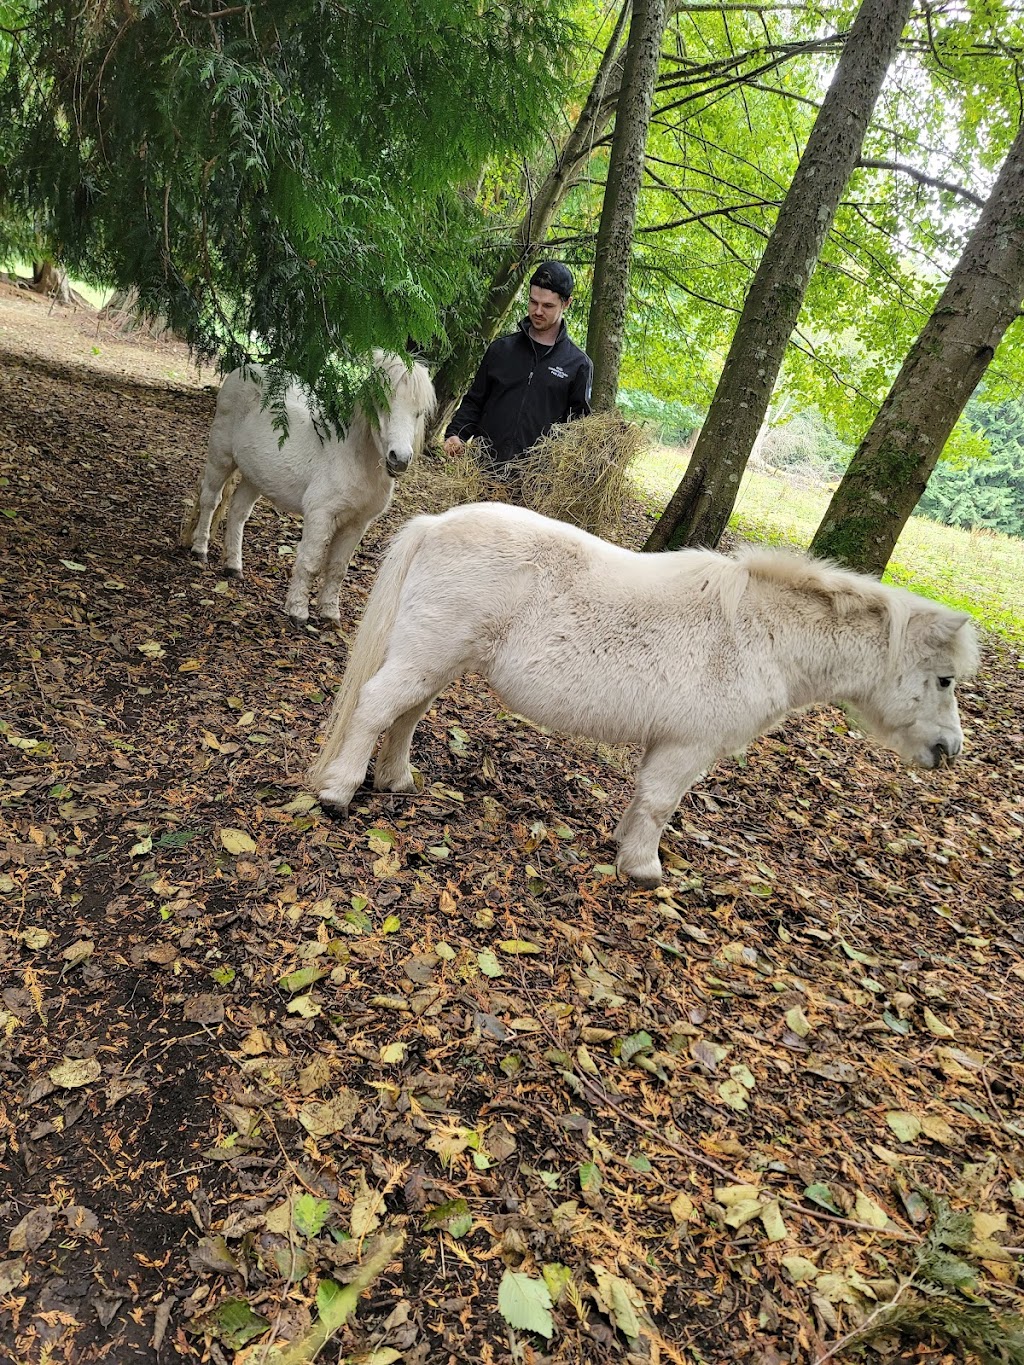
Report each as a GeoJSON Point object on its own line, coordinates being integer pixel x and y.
{"type": "Point", "coordinates": [977, 571]}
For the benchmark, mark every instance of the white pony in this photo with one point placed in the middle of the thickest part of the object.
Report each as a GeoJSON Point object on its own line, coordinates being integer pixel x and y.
{"type": "Point", "coordinates": [338, 485]}
{"type": "Point", "coordinates": [690, 654]}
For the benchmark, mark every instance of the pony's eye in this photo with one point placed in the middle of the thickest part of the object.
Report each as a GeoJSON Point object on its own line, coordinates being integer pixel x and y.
{"type": "Point", "coordinates": [945, 682]}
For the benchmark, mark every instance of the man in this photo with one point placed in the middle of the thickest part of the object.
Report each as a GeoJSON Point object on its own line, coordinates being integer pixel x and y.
{"type": "Point", "coordinates": [527, 381]}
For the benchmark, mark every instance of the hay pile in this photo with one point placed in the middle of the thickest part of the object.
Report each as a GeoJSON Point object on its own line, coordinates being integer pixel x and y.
{"type": "Point", "coordinates": [577, 473]}
{"type": "Point", "coordinates": [436, 481]}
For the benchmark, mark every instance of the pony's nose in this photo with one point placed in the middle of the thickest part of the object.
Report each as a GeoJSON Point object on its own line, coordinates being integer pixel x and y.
{"type": "Point", "coordinates": [944, 749]}
{"type": "Point", "coordinates": [396, 462]}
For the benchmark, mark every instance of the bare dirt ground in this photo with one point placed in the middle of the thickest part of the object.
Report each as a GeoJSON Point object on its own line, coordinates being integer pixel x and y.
{"type": "Point", "coordinates": [431, 1082]}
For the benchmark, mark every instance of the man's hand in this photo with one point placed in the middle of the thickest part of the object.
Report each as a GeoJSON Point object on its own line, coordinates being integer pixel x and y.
{"type": "Point", "coordinates": [453, 444]}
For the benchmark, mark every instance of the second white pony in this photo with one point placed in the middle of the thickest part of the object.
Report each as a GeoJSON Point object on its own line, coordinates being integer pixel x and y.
{"type": "Point", "coordinates": [690, 654]}
{"type": "Point", "coordinates": [339, 485]}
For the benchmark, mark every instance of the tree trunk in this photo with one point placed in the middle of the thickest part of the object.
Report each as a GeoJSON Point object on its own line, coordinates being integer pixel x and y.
{"type": "Point", "coordinates": [527, 238]}
{"type": "Point", "coordinates": [700, 507]}
{"type": "Point", "coordinates": [890, 468]}
{"type": "Point", "coordinates": [621, 196]}
{"type": "Point", "coordinates": [52, 280]}
{"type": "Point", "coordinates": [122, 312]}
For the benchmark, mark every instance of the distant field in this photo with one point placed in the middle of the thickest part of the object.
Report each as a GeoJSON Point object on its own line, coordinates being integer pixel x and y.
{"type": "Point", "coordinates": [979, 571]}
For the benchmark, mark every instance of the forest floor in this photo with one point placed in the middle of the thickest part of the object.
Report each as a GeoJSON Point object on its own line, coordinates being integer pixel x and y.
{"type": "Point", "coordinates": [438, 1052]}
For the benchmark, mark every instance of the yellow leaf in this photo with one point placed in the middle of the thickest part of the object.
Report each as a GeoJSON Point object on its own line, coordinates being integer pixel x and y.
{"type": "Point", "coordinates": [906, 1126]}
{"type": "Point", "coordinates": [256, 1042]}
{"type": "Point", "coordinates": [73, 1072]}
{"type": "Point", "coordinates": [773, 1223]}
{"type": "Point", "coordinates": [237, 841]}
{"type": "Point", "coordinates": [867, 1211]}
{"type": "Point", "coordinates": [935, 1026]}
{"type": "Point", "coordinates": [742, 1212]}
{"type": "Point", "coordinates": [735, 1194]}
{"type": "Point", "coordinates": [936, 1128]}
{"type": "Point", "coordinates": [364, 1208]}
{"type": "Point", "coordinates": [799, 1268]}
{"type": "Point", "coordinates": [682, 1209]}
{"type": "Point", "coordinates": [190, 666]}
{"type": "Point", "coordinates": [584, 1060]}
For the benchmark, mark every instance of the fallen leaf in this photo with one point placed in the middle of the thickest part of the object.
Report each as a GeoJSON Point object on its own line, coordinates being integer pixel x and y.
{"type": "Point", "coordinates": [237, 841]}
{"type": "Point", "coordinates": [74, 1072]}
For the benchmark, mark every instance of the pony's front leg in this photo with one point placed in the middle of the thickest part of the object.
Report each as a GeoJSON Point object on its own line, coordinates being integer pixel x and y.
{"type": "Point", "coordinates": [243, 500]}
{"type": "Point", "coordinates": [666, 771]}
{"type": "Point", "coordinates": [339, 555]}
{"type": "Point", "coordinates": [317, 534]}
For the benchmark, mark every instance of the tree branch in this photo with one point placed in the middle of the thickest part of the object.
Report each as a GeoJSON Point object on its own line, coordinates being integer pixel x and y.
{"type": "Point", "coordinates": [901, 167]}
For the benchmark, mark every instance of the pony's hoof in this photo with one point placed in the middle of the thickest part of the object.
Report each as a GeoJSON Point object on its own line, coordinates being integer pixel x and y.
{"type": "Point", "coordinates": [647, 878]}
{"type": "Point", "coordinates": [403, 785]}
{"type": "Point", "coordinates": [299, 622]}
{"type": "Point", "coordinates": [229, 572]}
{"type": "Point", "coordinates": [335, 810]}
{"type": "Point", "coordinates": [198, 555]}
{"type": "Point", "coordinates": [647, 883]}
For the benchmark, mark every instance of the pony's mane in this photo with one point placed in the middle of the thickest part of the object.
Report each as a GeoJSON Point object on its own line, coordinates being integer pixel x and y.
{"type": "Point", "coordinates": [845, 594]}
{"type": "Point", "coordinates": [851, 592]}
{"type": "Point", "coordinates": [396, 370]}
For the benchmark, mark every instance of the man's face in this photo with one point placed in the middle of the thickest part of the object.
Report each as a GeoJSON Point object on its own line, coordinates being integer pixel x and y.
{"type": "Point", "coordinates": [545, 308]}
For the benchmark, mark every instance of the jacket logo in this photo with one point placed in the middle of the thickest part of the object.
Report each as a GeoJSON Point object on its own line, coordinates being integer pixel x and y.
{"type": "Point", "coordinates": [557, 371]}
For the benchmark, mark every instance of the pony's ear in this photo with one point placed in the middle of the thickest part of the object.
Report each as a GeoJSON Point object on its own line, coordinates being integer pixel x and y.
{"type": "Point", "coordinates": [938, 629]}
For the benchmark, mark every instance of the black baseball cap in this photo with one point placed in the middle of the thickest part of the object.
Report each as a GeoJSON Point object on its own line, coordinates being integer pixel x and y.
{"type": "Point", "coordinates": [555, 276]}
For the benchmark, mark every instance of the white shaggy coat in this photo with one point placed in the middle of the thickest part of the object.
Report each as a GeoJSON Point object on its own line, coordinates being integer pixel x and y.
{"type": "Point", "coordinates": [339, 486]}
{"type": "Point", "coordinates": [691, 655]}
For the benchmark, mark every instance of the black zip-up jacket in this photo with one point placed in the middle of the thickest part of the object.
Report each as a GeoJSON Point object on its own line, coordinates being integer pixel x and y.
{"type": "Point", "coordinates": [521, 390]}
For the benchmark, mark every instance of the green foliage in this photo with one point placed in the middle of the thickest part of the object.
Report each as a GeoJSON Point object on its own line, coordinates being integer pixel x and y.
{"type": "Point", "coordinates": [987, 491]}
{"type": "Point", "coordinates": [977, 573]}
{"type": "Point", "coordinates": [274, 179]}
{"type": "Point", "coordinates": [737, 98]}
{"type": "Point", "coordinates": [672, 422]}
{"type": "Point", "coordinates": [934, 1310]}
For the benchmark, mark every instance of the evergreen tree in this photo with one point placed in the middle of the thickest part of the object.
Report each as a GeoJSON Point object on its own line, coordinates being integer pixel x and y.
{"type": "Point", "coordinates": [986, 492]}
{"type": "Point", "coordinates": [273, 177]}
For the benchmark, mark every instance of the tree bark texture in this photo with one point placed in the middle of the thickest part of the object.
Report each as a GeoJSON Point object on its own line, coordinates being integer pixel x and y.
{"type": "Point", "coordinates": [621, 196]}
{"type": "Point", "coordinates": [700, 507]}
{"type": "Point", "coordinates": [892, 464]}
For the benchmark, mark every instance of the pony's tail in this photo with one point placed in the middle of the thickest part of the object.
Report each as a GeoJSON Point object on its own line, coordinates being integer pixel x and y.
{"type": "Point", "coordinates": [370, 645]}
{"type": "Point", "coordinates": [190, 517]}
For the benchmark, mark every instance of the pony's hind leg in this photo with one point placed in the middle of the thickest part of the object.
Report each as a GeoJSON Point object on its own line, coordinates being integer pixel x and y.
{"type": "Point", "coordinates": [243, 500]}
{"type": "Point", "coordinates": [219, 468]}
{"type": "Point", "coordinates": [393, 770]}
{"type": "Point", "coordinates": [394, 699]}
{"type": "Point", "coordinates": [666, 771]}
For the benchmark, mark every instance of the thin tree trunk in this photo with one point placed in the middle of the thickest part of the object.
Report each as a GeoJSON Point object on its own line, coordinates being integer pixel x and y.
{"type": "Point", "coordinates": [621, 196]}
{"type": "Point", "coordinates": [700, 507]}
{"type": "Point", "coordinates": [891, 467]}
{"type": "Point", "coordinates": [527, 238]}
